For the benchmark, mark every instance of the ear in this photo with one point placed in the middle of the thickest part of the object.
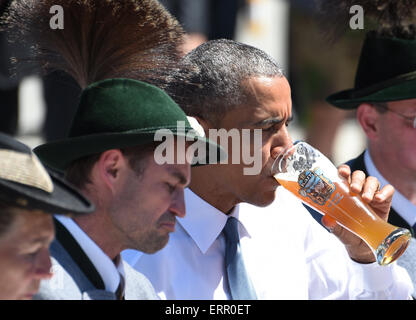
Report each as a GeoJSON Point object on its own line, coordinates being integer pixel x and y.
{"type": "Point", "coordinates": [109, 167]}
{"type": "Point", "coordinates": [205, 124]}
{"type": "Point", "coordinates": [368, 117]}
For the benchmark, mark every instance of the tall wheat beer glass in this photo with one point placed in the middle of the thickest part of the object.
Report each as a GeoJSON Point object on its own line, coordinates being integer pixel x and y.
{"type": "Point", "coordinates": [310, 176]}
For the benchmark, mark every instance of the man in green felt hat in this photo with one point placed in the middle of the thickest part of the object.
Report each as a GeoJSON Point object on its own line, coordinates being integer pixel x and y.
{"type": "Point", "coordinates": [109, 155]}
{"type": "Point", "coordinates": [384, 96]}
{"type": "Point", "coordinates": [109, 152]}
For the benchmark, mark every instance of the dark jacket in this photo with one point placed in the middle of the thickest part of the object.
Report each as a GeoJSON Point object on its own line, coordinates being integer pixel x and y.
{"type": "Point", "coordinates": [394, 217]}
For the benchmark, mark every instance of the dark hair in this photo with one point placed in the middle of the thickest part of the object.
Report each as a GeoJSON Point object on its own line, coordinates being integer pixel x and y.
{"type": "Point", "coordinates": [78, 173]}
{"type": "Point", "coordinates": [215, 71]}
{"type": "Point", "coordinates": [6, 217]}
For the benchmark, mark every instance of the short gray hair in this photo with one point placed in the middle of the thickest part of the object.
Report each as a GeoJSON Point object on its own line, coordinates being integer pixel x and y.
{"type": "Point", "coordinates": [215, 71]}
{"type": "Point", "coordinates": [381, 107]}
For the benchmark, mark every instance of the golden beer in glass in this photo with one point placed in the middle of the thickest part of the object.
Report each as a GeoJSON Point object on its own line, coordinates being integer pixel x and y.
{"type": "Point", "coordinates": [310, 176]}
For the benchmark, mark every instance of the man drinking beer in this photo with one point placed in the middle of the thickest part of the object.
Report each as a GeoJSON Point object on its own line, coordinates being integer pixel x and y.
{"type": "Point", "coordinates": [244, 236]}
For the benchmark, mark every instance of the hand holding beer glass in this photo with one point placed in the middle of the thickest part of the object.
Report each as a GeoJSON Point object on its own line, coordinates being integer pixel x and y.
{"type": "Point", "coordinates": [310, 176]}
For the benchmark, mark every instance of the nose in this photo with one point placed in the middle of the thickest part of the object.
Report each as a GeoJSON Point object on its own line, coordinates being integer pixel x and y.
{"type": "Point", "coordinates": [43, 265]}
{"type": "Point", "coordinates": [281, 142]}
{"type": "Point", "coordinates": [178, 204]}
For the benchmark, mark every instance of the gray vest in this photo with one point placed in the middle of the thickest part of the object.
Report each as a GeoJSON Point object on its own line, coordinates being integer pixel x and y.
{"type": "Point", "coordinates": [75, 277]}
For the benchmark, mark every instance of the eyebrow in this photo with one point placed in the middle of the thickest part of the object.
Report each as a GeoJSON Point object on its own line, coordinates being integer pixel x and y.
{"type": "Point", "coordinates": [182, 179]}
{"type": "Point", "coordinates": [41, 240]}
{"type": "Point", "coordinates": [274, 120]}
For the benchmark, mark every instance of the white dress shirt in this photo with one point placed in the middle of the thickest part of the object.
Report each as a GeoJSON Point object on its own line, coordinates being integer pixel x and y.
{"type": "Point", "coordinates": [109, 272]}
{"type": "Point", "coordinates": [288, 255]}
{"type": "Point", "coordinates": [400, 203]}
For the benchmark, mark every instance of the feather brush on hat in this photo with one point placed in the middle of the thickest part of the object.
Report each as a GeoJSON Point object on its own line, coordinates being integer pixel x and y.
{"type": "Point", "coordinates": [390, 18]}
{"type": "Point", "coordinates": [101, 39]}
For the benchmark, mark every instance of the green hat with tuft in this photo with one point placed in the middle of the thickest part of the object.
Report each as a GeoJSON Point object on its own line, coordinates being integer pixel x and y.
{"type": "Point", "coordinates": [119, 113]}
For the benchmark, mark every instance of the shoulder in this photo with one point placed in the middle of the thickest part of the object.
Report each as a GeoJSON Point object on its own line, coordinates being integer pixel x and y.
{"type": "Point", "coordinates": [408, 261]}
{"type": "Point", "coordinates": [60, 287]}
{"type": "Point", "coordinates": [137, 285]}
{"type": "Point", "coordinates": [67, 282]}
{"type": "Point", "coordinates": [285, 213]}
{"type": "Point", "coordinates": [286, 207]}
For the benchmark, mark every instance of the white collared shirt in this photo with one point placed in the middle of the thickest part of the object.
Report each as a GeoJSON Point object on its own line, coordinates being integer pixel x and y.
{"type": "Point", "coordinates": [108, 271]}
{"type": "Point", "coordinates": [400, 203]}
{"type": "Point", "coordinates": [288, 255]}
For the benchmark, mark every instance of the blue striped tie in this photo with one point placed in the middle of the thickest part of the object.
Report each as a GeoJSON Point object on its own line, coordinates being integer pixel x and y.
{"type": "Point", "coordinates": [238, 280]}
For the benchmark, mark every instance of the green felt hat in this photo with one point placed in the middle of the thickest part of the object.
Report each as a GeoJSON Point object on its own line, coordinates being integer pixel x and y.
{"type": "Point", "coordinates": [119, 113]}
{"type": "Point", "coordinates": [386, 72]}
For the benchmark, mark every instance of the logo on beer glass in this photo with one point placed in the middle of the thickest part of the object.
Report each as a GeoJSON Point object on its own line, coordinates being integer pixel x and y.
{"type": "Point", "coordinates": [304, 158]}
{"type": "Point", "coordinates": [314, 185]}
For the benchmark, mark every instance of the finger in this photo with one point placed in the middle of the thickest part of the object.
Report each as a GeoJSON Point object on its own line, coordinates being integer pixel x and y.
{"type": "Point", "coordinates": [385, 194]}
{"type": "Point", "coordinates": [336, 229]}
{"type": "Point", "coordinates": [345, 172]}
{"type": "Point", "coordinates": [371, 186]}
{"type": "Point", "coordinates": [357, 181]}
{"type": "Point", "coordinates": [382, 200]}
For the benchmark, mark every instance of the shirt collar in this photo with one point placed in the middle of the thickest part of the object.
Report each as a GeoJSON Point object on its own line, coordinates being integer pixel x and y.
{"type": "Point", "coordinates": [400, 203]}
{"type": "Point", "coordinates": [204, 223]}
{"type": "Point", "coordinates": [109, 272]}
